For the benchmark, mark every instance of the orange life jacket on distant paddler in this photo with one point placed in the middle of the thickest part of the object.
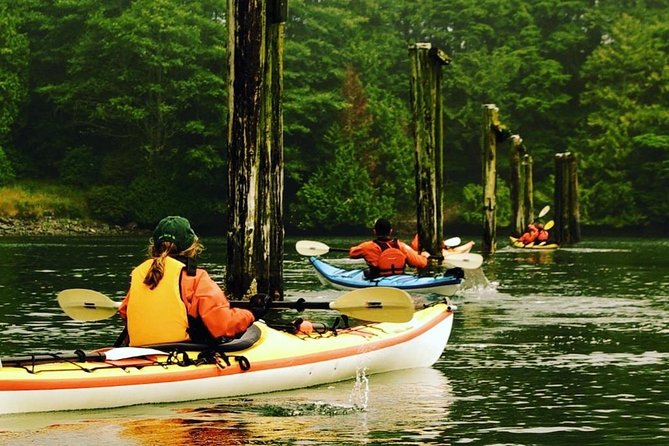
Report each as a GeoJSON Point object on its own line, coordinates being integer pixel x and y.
{"type": "Point", "coordinates": [392, 260]}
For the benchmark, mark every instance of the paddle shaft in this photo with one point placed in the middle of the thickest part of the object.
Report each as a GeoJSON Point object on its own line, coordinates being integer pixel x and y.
{"type": "Point", "coordinates": [298, 305]}
{"type": "Point", "coordinates": [28, 360]}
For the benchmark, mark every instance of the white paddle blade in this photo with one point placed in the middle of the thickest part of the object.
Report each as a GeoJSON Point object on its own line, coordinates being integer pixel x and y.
{"type": "Point", "coordinates": [465, 260]}
{"type": "Point", "coordinates": [377, 304]}
{"type": "Point", "coordinates": [544, 211]}
{"type": "Point", "coordinates": [311, 248]}
{"type": "Point", "coordinates": [452, 242]}
{"type": "Point", "coordinates": [86, 305]}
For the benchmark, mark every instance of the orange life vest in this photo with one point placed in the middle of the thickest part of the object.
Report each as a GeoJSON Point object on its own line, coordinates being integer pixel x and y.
{"type": "Point", "coordinates": [392, 260]}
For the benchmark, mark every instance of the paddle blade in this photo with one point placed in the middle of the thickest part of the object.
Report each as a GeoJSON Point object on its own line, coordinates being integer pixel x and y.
{"type": "Point", "coordinates": [311, 248]}
{"type": "Point", "coordinates": [452, 242]}
{"type": "Point", "coordinates": [377, 304]}
{"type": "Point", "coordinates": [86, 305]}
{"type": "Point", "coordinates": [544, 211]}
{"type": "Point", "coordinates": [549, 225]}
{"type": "Point", "coordinates": [464, 260]}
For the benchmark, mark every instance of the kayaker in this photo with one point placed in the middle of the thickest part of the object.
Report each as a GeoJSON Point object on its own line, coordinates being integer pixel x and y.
{"type": "Point", "coordinates": [172, 300]}
{"type": "Point", "coordinates": [534, 232]}
{"type": "Point", "coordinates": [386, 256]}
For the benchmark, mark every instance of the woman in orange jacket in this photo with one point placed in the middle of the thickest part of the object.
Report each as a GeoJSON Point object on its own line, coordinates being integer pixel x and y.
{"type": "Point", "coordinates": [386, 256]}
{"type": "Point", "coordinates": [172, 300]}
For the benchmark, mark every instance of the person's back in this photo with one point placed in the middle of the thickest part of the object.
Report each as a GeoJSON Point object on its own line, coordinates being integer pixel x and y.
{"type": "Point", "coordinates": [386, 256]}
{"type": "Point", "coordinates": [171, 300]}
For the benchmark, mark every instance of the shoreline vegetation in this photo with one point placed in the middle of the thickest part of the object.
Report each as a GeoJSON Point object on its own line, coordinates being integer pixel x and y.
{"type": "Point", "coordinates": [44, 209]}
{"type": "Point", "coordinates": [50, 226]}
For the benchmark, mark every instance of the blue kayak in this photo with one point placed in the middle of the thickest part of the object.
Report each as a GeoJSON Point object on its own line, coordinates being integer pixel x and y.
{"type": "Point", "coordinates": [445, 284]}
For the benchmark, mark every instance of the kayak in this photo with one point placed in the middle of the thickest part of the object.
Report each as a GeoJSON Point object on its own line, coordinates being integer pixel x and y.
{"type": "Point", "coordinates": [445, 284]}
{"type": "Point", "coordinates": [546, 246]}
{"type": "Point", "coordinates": [266, 359]}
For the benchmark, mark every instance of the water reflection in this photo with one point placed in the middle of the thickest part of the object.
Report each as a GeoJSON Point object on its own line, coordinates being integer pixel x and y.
{"type": "Point", "coordinates": [419, 406]}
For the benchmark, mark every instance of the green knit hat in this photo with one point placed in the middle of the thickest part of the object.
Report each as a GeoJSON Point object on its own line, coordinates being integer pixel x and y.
{"type": "Point", "coordinates": [174, 229]}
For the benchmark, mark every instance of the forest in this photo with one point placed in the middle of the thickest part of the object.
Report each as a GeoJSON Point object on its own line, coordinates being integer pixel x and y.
{"type": "Point", "coordinates": [126, 101]}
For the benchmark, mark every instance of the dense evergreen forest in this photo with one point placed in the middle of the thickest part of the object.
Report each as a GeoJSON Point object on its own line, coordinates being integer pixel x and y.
{"type": "Point", "coordinates": [126, 99]}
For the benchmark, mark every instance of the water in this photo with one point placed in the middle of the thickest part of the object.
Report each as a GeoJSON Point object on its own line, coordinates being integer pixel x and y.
{"type": "Point", "coordinates": [565, 347]}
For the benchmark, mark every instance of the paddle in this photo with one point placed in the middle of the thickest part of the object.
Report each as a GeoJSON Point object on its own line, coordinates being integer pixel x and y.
{"type": "Point", "coordinates": [452, 242]}
{"type": "Point", "coordinates": [376, 304]}
{"type": "Point", "coordinates": [464, 260]}
{"type": "Point", "coordinates": [544, 211]}
{"type": "Point", "coordinates": [113, 354]}
{"type": "Point", "coordinates": [549, 225]}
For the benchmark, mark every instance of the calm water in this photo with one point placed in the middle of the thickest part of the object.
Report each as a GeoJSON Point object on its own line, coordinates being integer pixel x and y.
{"type": "Point", "coordinates": [568, 347]}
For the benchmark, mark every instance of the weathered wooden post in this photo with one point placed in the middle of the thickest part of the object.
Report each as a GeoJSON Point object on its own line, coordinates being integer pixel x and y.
{"type": "Point", "coordinates": [517, 185]}
{"type": "Point", "coordinates": [567, 215]}
{"type": "Point", "coordinates": [426, 104]}
{"type": "Point", "coordinates": [255, 147]}
{"type": "Point", "coordinates": [489, 152]}
{"type": "Point", "coordinates": [528, 198]}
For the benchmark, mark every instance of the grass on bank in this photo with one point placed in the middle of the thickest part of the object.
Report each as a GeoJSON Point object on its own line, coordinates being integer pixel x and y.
{"type": "Point", "coordinates": [34, 200]}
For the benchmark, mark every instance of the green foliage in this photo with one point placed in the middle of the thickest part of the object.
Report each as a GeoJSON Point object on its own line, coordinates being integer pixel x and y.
{"type": "Point", "coordinates": [108, 203]}
{"type": "Point", "coordinates": [38, 200]}
{"type": "Point", "coordinates": [6, 171]}
{"type": "Point", "coordinates": [340, 194]}
{"type": "Point", "coordinates": [627, 93]}
{"type": "Point", "coordinates": [472, 197]}
{"type": "Point", "coordinates": [142, 84]}
{"type": "Point", "coordinates": [79, 167]}
{"type": "Point", "coordinates": [13, 69]}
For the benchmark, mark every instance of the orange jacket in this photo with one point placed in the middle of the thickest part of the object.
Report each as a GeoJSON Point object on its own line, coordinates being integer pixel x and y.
{"type": "Point", "coordinates": [204, 299]}
{"type": "Point", "coordinates": [530, 235]}
{"type": "Point", "coordinates": [370, 251]}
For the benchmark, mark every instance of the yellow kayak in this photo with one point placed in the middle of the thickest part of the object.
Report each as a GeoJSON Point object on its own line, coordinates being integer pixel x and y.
{"type": "Point", "coordinates": [273, 360]}
{"type": "Point", "coordinates": [539, 246]}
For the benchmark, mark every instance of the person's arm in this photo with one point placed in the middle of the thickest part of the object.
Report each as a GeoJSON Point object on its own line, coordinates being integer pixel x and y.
{"type": "Point", "coordinates": [413, 258]}
{"type": "Point", "coordinates": [205, 299]}
{"type": "Point", "coordinates": [362, 250]}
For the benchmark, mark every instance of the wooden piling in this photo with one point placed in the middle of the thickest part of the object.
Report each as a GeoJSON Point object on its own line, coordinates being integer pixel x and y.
{"type": "Point", "coordinates": [426, 104]}
{"type": "Point", "coordinates": [489, 153]}
{"type": "Point", "coordinates": [517, 186]}
{"type": "Point", "coordinates": [255, 148]}
{"type": "Point", "coordinates": [567, 215]}
{"type": "Point", "coordinates": [528, 190]}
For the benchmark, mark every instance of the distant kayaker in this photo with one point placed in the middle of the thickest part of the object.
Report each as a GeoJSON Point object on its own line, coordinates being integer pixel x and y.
{"type": "Point", "coordinates": [534, 232]}
{"type": "Point", "coordinates": [172, 300]}
{"type": "Point", "coordinates": [386, 256]}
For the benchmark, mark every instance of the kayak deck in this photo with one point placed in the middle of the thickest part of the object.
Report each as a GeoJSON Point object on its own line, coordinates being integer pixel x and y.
{"type": "Point", "coordinates": [278, 361]}
{"type": "Point", "coordinates": [444, 284]}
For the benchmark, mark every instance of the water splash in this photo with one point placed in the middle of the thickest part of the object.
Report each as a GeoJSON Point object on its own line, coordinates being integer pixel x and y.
{"type": "Point", "coordinates": [359, 397]}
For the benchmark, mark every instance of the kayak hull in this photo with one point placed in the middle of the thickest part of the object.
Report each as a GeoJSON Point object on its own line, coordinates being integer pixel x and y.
{"type": "Point", "coordinates": [343, 279]}
{"type": "Point", "coordinates": [548, 246]}
{"type": "Point", "coordinates": [278, 361]}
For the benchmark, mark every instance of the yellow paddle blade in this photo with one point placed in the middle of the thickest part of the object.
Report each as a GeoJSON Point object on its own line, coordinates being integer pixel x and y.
{"type": "Point", "coordinates": [549, 225]}
{"type": "Point", "coordinates": [86, 305]}
{"type": "Point", "coordinates": [376, 304]}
